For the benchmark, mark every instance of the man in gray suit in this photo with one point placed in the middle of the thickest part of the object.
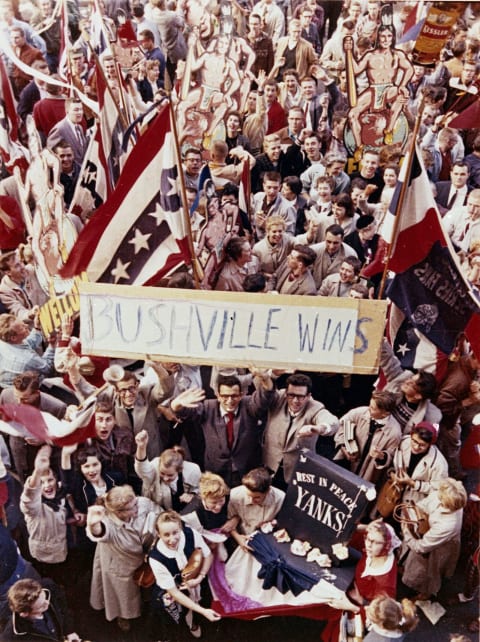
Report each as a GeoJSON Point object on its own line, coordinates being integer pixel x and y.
{"type": "Point", "coordinates": [295, 421]}
{"type": "Point", "coordinates": [70, 129]}
{"type": "Point", "coordinates": [231, 423]}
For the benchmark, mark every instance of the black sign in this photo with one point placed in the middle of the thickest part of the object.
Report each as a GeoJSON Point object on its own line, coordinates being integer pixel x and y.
{"type": "Point", "coordinates": [324, 502]}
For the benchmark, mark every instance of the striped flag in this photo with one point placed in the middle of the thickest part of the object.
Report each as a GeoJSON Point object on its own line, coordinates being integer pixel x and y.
{"type": "Point", "coordinates": [429, 286]}
{"type": "Point", "coordinates": [110, 132]}
{"type": "Point", "coordinates": [22, 420]}
{"type": "Point", "coordinates": [412, 348]}
{"type": "Point", "coordinates": [92, 188]}
{"type": "Point", "coordinates": [13, 153]}
{"type": "Point", "coordinates": [139, 234]}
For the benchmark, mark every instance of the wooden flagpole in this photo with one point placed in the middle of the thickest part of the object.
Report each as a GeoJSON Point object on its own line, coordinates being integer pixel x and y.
{"type": "Point", "coordinates": [186, 214]}
{"type": "Point", "coordinates": [99, 69]}
{"type": "Point", "coordinates": [401, 197]}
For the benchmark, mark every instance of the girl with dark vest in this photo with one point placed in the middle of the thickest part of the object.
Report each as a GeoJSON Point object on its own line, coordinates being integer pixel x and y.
{"type": "Point", "coordinates": [168, 557]}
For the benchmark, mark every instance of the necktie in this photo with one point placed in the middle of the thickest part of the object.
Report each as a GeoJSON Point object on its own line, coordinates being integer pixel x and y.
{"type": "Point", "coordinates": [129, 412]}
{"type": "Point", "coordinates": [290, 423]}
{"type": "Point", "coordinates": [308, 117]}
{"type": "Point", "coordinates": [176, 491]}
{"type": "Point", "coordinates": [230, 416]}
{"type": "Point", "coordinates": [79, 132]}
{"type": "Point", "coordinates": [374, 426]}
{"type": "Point", "coordinates": [452, 200]}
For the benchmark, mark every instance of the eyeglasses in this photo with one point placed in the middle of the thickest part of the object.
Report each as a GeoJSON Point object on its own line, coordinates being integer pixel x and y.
{"type": "Point", "coordinates": [130, 389]}
{"type": "Point", "coordinates": [227, 397]}
{"type": "Point", "coordinates": [292, 395]}
{"type": "Point", "coordinates": [374, 541]}
{"type": "Point", "coordinates": [46, 594]}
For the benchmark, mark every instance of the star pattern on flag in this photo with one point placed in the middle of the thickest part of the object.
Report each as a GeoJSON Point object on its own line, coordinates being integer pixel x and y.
{"type": "Point", "coordinates": [169, 198]}
{"type": "Point", "coordinates": [140, 241]}
{"type": "Point", "coordinates": [149, 232]}
{"type": "Point", "coordinates": [158, 214]}
{"type": "Point", "coordinates": [138, 234]}
{"type": "Point", "coordinates": [120, 271]}
{"type": "Point", "coordinates": [403, 349]}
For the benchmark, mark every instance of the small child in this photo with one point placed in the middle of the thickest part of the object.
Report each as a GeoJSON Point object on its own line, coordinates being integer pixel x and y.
{"type": "Point", "coordinates": [390, 619]}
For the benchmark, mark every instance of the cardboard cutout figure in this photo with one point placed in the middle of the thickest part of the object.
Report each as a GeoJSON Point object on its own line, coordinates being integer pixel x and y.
{"type": "Point", "coordinates": [53, 235]}
{"type": "Point", "coordinates": [214, 236]}
{"type": "Point", "coordinates": [375, 117]}
{"type": "Point", "coordinates": [204, 107]}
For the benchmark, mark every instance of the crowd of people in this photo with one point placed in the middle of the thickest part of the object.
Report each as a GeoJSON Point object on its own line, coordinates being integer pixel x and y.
{"type": "Point", "coordinates": [180, 464]}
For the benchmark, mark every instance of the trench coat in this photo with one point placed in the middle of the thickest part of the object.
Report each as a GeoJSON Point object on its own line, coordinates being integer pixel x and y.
{"type": "Point", "coordinates": [119, 552]}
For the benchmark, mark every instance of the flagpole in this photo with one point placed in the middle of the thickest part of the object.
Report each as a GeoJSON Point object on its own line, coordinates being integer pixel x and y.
{"type": "Point", "coordinates": [401, 197]}
{"type": "Point", "coordinates": [99, 69]}
{"type": "Point", "coordinates": [183, 191]}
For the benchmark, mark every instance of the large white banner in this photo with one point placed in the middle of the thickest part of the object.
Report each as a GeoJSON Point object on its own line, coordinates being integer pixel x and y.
{"type": "Point", "coordinates": [236, 329]}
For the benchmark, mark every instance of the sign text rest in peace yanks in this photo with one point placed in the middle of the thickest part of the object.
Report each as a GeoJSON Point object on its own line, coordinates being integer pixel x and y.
{"type": "Point", "coordinates": [327, 334]}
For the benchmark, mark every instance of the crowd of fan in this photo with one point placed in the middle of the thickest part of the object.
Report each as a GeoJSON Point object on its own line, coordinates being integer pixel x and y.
{"type": "Point", "coordinates": [171, 437]}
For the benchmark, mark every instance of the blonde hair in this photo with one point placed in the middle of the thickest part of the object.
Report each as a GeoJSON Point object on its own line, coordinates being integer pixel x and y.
{"type": "Point", "coordinates": [271, 138]}
{"type": "Point", "coordinates": [275, 220]}
{"type": "Point", "coordinates": [167, 517]}
{"type": "Point", "coordinates": [6, 322]}
{"type": "Point", "coordinates": [171, 457]}
{"type": "Point", "coordinates": [452, 494]}
{"type": "Point", "coordinates": [391, 615]}
{"type": "Point", "coordinates": [117, 498]}
{"type": "Point", "coordinates": [212, 486]}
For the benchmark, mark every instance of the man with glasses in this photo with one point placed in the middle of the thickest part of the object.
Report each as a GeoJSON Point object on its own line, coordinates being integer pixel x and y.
{"type": "Point", "coordinates": [295, 421]}
{"type": "Point", "coordinates": [231, 424]}
{"type": "Point", "coordinates": [135, 402]}
{"type": "Point", "coordinates": [192, 164]}
{"type": "Point", "coordinates": [37, 613]}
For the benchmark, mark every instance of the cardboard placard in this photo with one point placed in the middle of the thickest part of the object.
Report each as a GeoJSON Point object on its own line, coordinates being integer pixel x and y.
{"type": "Point", "coordinates": [326, 334]}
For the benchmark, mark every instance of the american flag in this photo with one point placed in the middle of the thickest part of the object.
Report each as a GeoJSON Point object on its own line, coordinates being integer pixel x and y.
{"type": "Point", "coordinates": [139, 235]}
{"type": "Point", "coordinates": [429, 287]}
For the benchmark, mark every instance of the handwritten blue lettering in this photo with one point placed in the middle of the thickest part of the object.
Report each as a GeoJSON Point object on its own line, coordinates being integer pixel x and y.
{"type": "Point", "coordinates": [119, 323]}
{"type": "Point", "coordinates": [270, 328]}
{"type": "Point", "coordinates": [153, 314]}
{"type": "Point", "coordinates": [306, 334]}
{"type": "Point", "coordinates": [178, 328]}
{"type": "Point", "coordinates": [364, 346]}
{"type": "Point", "coordinates": [205, 342]}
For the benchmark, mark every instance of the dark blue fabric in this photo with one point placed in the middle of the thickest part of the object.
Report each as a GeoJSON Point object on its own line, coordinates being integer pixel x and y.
{"type": "Point", "coordinates": [276, 571]}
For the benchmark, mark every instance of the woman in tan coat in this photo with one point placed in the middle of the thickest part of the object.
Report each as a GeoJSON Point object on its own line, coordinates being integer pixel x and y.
{"type": "Point", "coordinates": [435, 555]}
{"type": "Point", "coordinates": [122, 527]}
